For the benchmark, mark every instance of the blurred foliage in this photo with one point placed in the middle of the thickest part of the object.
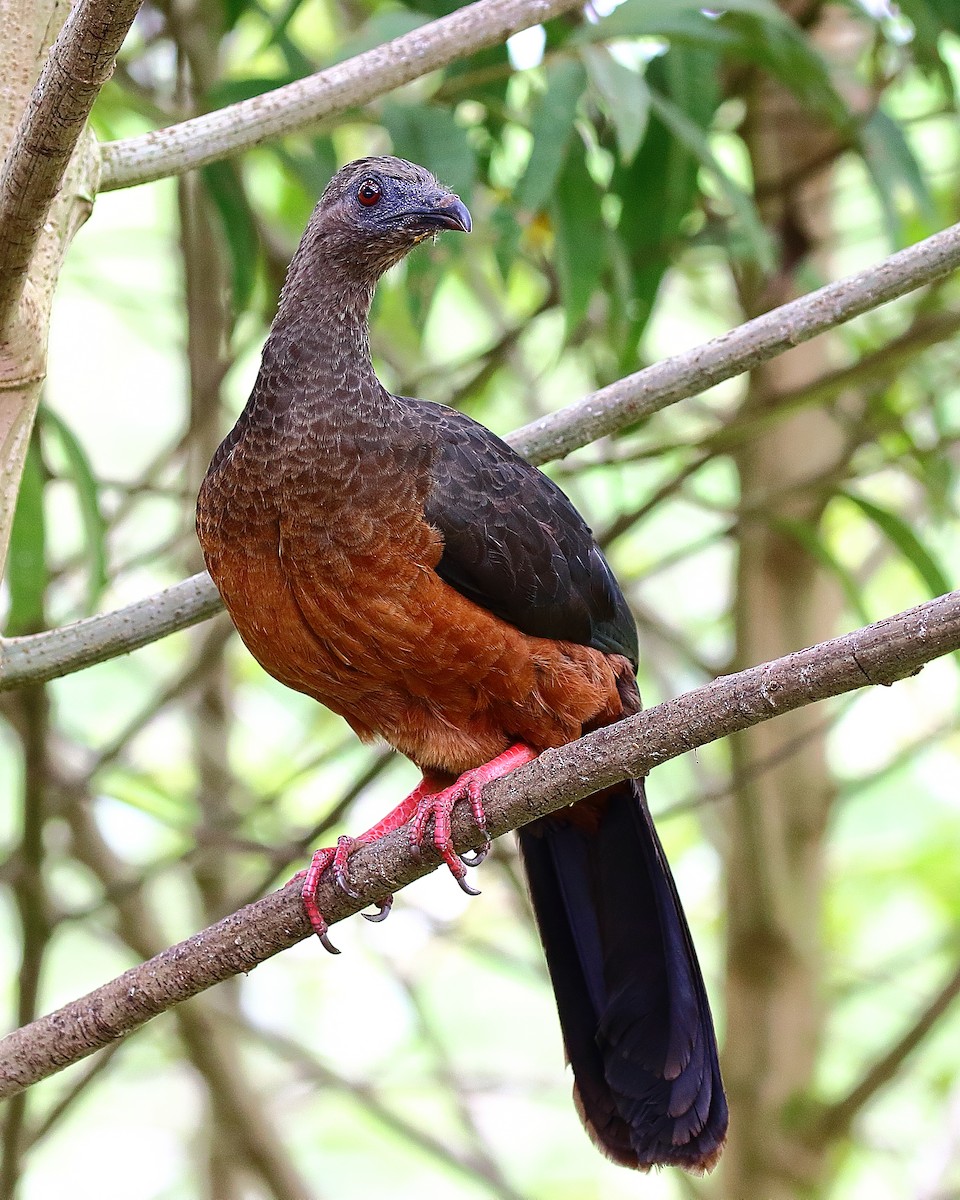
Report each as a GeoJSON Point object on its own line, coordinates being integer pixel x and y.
{"type": "Point", "coordinates": [616, 218]}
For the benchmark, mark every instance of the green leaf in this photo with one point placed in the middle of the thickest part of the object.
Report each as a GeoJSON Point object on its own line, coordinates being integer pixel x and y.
{"type": "Point", "coordinates": [896, 175]}
{"type": "Point", "coordinates": [790, 57]}
{"type": "Point", "coordinates": [222, 181]}
{"type": "Point", "coordinates": [580, 237]}
{"type": "Point", "coordinates": [552, 130]}
{"type": "Point", "coordinates": [809, 537]}
{"type": "Point", "coordinates": [26, 562]}
{"type": "Point", "coordinates": [659, 188]}
{"type": "Point", "coordinates": [624, 97]}
{"type": "Point", "coordinates": [928, 48]}
{"type": "Point", "coordinates": [506, 229]}
{"type": "Point", "coordinates": [696, 140]}
{"type": "Point", "coordinates": [662, 18]}
{"type": "Point", "coordinates": [899, 533]}
{"type": "Point", "coordinates": [753, 32]}
{"type": "Point", "coordinates": [312, 164]}
{"type": "Point", "coordinates": [88, 502]}
{"type": "Point", "coordinates": [430, 135]}
{"type": "Point", "coordinates": [233, 10]}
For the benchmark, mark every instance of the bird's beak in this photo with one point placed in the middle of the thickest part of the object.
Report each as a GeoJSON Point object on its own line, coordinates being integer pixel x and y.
{"type": "Point", "coordinates": [447, 212]}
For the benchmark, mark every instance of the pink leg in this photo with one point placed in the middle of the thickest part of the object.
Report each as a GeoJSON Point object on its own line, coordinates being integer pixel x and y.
{"type": "Point", "coordinates": [439, 806]}
{"type": "Point", "coordinates": [337, 858]}
{"type": "Point", "coordinates": [423, 804]}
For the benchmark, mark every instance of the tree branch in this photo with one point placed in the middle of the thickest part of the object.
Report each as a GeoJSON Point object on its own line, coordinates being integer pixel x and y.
{"type": "Point", "coordinates": [78, 65]}
{"type": "Point", "coordinates": [213, 136]}
{"type": "Point", "coordinates": [638, 396]}
{"type": "Point", "coordinates": [45, 656]}
{"type": "Point", "coordinates": [881, 653]}
{"type": "Point", "coordinates": [59, 652]}
{"type": "Point", "coordinates": [836, 1119]}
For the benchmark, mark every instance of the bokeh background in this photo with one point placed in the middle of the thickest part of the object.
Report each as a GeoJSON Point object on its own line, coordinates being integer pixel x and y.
{"type": "Point", "coordinates": [640, 179]}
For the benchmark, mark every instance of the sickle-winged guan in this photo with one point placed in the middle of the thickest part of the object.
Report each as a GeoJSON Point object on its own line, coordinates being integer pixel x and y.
{"type": "Point", "coordinates": [402, 565]}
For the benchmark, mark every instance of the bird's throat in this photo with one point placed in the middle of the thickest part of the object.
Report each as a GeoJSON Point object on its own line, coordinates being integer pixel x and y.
{"type": "Point", "coordinates": [317, 357]}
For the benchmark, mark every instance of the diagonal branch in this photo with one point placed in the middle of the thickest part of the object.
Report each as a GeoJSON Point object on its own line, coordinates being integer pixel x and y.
{"type": "Point", "coordinates": [881, 653]}
{"type": "Point", "coordinates": [58, 652]}
{"type": "Point", "coordinates": [836, 1119]}
{"type": "Point", "coordinates": [213, 136]}
{"type": "Point", "coordinates": [79, 64]}
{"type": "Point", "coordinates": [638, 396]}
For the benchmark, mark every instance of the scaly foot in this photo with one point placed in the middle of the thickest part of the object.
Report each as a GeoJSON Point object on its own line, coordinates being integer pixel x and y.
{"type": "Point", "coordinates": [438, 807]}
{"type": "Point", "coordinates": [336, 860]}
{"type": "Point", "coordinates": [423, 805]}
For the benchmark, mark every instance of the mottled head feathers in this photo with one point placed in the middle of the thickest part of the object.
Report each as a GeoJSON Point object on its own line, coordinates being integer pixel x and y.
{"type": "Point", "coordinates": [373, 212]}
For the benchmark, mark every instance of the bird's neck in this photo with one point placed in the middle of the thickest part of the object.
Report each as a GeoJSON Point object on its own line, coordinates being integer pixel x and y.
{"type": "Point", "coordinates": [317, 356]}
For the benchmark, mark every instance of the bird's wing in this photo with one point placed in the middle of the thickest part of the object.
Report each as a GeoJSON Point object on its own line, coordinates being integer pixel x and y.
{"type": "Point", "coordinates": [512, 541]}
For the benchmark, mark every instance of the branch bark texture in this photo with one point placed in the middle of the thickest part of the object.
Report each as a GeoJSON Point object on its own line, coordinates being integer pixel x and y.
{"type": "Point", "coordinates": [43, 656]}
{"type": "Point", "coordinates": [881, 653]}
{"type": "Point", "coordinates": [78, 65]}
{"type": "Point", "coordinates": [356, 81]}
{"type": "Point", "coordinates": [59, 652]}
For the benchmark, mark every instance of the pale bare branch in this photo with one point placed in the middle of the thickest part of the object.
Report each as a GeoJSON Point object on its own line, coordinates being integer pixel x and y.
{"type": "Point", "coordinates": [638, 396]}
{"type": "Point", "coordinates": [356, 81]}
{"type": "Point", "coordinates": [94, 639]}
{"type": "Point", "coordinates": [881, 653]}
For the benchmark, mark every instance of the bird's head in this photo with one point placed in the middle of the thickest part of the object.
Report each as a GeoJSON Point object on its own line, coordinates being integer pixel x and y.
{"type": "Point", "coordinates": [375, 210]}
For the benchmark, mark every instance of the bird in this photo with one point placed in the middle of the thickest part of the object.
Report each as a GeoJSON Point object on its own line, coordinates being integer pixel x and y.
{"type": "Point", "coordinates": [398, 562]}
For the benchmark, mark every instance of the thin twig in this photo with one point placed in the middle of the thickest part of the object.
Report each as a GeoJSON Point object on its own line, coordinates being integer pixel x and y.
{"type": "Point", "coordinates": [882, 653]}
{"type": "Point", "coordinates": [79, 64]}
{"type": "Point", "coordinates": [836, 1120]}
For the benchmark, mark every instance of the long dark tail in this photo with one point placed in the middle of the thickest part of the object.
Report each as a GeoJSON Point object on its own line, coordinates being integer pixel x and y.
{"type": "Point", "coordinates": [633, 1009]}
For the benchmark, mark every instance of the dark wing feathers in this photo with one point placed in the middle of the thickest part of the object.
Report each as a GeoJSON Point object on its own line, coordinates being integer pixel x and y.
{"type": "Point", "coordinates": [513, 542]}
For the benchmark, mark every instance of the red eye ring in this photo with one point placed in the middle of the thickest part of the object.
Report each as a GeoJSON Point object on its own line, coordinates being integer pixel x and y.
{"type": "Point", "coordinates": [369, 193]}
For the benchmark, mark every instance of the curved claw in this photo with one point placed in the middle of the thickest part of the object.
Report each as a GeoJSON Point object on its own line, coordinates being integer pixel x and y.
{"type": "Point", "coordinates": [464, 886]}
{"type": "Point", "coordinates": [384, 907]}
{"type": "Point", "coordinates": [327, 944]}
{"type": "Point", "coordinates": [473, 858]}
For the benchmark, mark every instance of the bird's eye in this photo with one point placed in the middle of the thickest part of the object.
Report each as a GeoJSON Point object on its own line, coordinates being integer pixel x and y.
{"type": "Point", "coordinates": [369, 193]}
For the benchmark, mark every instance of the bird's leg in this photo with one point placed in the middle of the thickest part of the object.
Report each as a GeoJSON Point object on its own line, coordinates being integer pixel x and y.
{"type": "Point", "coordinates": [336, 858]}
{"type": "Point", "coordinates": [438, 806]}
{"type": "Point", "coordinates": [427, 801]}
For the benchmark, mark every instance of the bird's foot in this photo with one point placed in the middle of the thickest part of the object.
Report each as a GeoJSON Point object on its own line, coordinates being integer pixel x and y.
{"type": "Point", "coordinates": [422, 805]}
{"type": "Point", "coordinates": [438, 808]}
{"type": "Point", "coordinates": [335, 860]}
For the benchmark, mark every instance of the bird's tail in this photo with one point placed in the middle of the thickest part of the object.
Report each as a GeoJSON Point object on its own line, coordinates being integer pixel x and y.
{"type": "Point", "coordinates": [633, 1009]}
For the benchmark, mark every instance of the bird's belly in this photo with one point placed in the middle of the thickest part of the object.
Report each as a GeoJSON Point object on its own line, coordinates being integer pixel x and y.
{"type": "Point", "coordinates": [378, 637]}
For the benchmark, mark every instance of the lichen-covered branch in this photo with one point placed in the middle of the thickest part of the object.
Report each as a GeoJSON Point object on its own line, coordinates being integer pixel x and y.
{"type": "Point", "coordinates": [881, 653]}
